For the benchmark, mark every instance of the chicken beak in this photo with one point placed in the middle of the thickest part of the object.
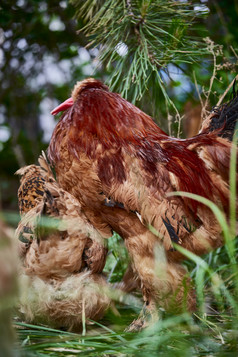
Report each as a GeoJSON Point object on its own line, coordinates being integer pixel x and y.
{"type": "Point", "coordinates": [63, 106]}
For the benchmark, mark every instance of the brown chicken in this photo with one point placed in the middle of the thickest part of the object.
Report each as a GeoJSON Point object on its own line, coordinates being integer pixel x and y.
{"type": "Point", "coordinates": [59, 251]}
{"type": "Point", "coordinates": [105, 146]}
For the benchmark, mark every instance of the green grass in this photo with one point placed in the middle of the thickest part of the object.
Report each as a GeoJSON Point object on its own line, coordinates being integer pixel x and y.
{"type": "Point", "coordinates": [200, 334]}
{"type": "Point", "coordinates": [182, 335]}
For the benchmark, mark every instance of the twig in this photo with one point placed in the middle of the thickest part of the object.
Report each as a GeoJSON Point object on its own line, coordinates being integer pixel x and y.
{"type": "Point", "coordinates": [207, 94]}
{"type": "Point", "coordinates": [179, 119]}
{"type": "Point", "coordinates": [169, 118]}
{"type": "Point", "coordinates": [227, 90]}
{"type": "Point", "coordinates": [204, 108]}
{"type": "Point", "coordinates": [128, 3]}
{"type": "Point", "coordinates": [197, 89]}
{"type": "Point", "coordinates": [234, 52]}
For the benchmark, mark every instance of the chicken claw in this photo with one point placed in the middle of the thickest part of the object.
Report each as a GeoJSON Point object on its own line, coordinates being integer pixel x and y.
{"type": "Point", "coordinates": [148, 316]}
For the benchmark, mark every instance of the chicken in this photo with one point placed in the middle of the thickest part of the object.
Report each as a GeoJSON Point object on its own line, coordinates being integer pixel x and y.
{"type": "Point", "coordinates": [59, 252]}
{"type": "Point", "coordinates": [31, 189]}
{"type": "Point", "coordinates": [105, 146]}
{"type": "Point", "coordinates": [38, 181]}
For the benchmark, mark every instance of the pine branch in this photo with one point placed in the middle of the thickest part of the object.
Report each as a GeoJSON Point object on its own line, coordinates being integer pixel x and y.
{"type": "Point", "coordinates": [138, 38]}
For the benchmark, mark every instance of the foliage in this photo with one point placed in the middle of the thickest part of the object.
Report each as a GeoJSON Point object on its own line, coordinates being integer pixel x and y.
{"type": "Point", "coordinates": [151, 48]}
{"type": "Point", "coordinates": [138, 39]}
{"type": "Point", "coordinates": [39, 61]}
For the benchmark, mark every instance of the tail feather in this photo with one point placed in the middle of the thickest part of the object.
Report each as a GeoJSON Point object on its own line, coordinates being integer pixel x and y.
{"type": "Point", "coordinates": [47, 172]}
{"type": "Point", "coordinates": [223, 119]}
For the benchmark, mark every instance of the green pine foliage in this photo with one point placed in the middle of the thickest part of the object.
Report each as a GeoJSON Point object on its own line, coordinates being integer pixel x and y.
{"type": "Point", "coordinates": [137, 39]}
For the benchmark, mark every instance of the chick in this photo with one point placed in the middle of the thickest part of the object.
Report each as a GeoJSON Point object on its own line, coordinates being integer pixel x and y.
{"type": "Point", "coordinates": [61, 254]}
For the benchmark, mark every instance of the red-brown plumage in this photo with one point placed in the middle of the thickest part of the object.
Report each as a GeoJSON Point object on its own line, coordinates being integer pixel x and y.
{"type": "Point", "coordinates": [102, 118]}
{"type": "Point", "coordinates": [105, 146]}
{"type": "Point", "coordinates": [117, 121]}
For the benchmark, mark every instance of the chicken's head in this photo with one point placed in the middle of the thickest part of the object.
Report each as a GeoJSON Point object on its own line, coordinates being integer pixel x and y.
{"type": "Point", "coordinates": [78, 88]}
